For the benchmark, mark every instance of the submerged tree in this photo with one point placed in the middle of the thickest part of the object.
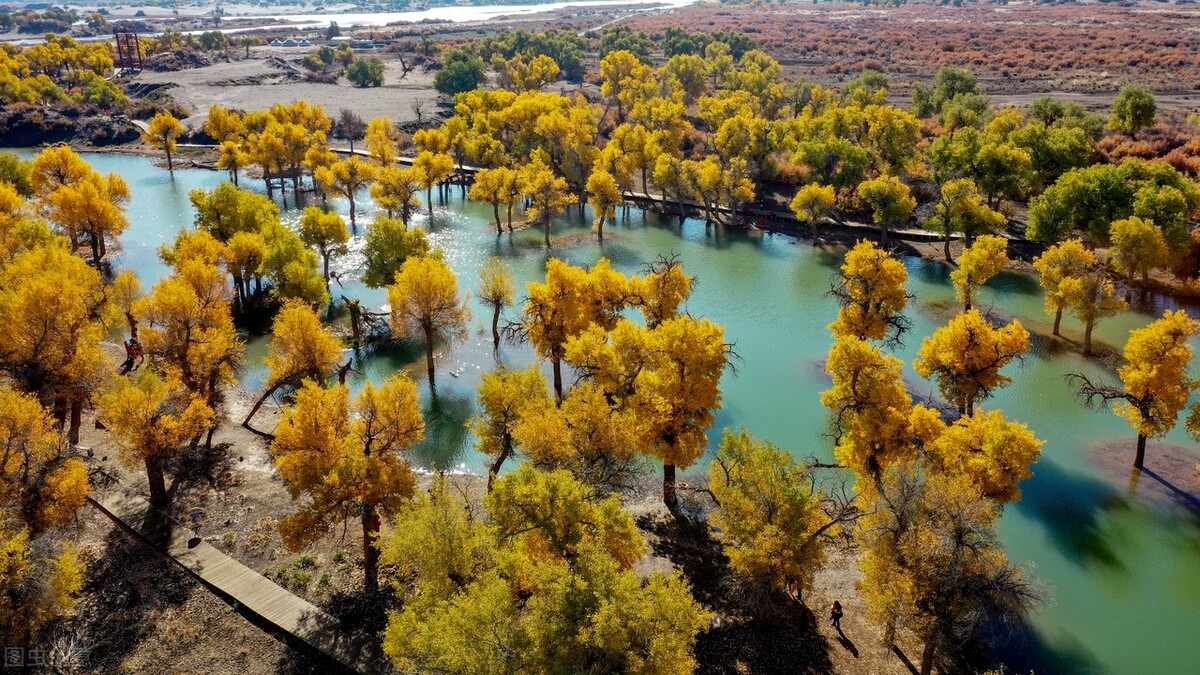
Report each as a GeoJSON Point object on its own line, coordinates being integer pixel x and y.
{"type": "Point", "coordinates": [1156, 384]}
{"type": "Point", "coordinates": [870, 288]}
{"type": "Point", "coordinates": [966, 356]}
{"type": "Point", "coordinates": [505, 395]}
{"type": "Point", "coordinates": [980, 261]}
{"type": "Point", "coordinates": [425, 299]}
{"type": "Point", "coordinates": [162, 133]}
{"type": "Point", "coordinates": [497, 289]}
{"type": "Point", "coordinates": [1062, 261]}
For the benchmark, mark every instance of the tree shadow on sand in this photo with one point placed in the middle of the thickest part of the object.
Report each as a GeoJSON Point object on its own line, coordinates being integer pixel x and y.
{"type": "Point", "coordinates": [739, 642]}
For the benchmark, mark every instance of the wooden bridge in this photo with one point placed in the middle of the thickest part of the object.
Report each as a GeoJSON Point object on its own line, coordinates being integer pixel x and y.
{"type": "Point", "coordinates": [234, 581]}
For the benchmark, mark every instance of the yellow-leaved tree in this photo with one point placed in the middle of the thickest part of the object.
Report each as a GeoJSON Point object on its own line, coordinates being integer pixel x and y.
{"type": "Point", "coordinates": [432, 168]}
{"type": "Point", "coordinates": [870, 289]}
{"type": "Point", "coordinates": [1091, 296]}
{"type": "Point", "coordinates": [395, 191]}
{"type": "Point", "coordinates": [326, 232]}
{"type": "Point", "coordinates": [570, 301]}
{"type": "Point", "coordinates": [348, 460]}
{"type": "Point", "coordinates": [933, 565]}
{"type": "Point", "coordinates": [498, 187]}
{"type": "Point", "coordinates": [980, 261]}
{"type": "Point", "coordinates": [42, 486]}
{"type": "Point", "coordinates": [770, 518]}
{"type": "Point", "coordinates": [163, 132]}
{"type": "Point", "coordinates": [425, 299]}
{"type": "Point", "coordinates": [300, 349]}
{"type": "Point", "coordinates": [1155, 382]}
{"type": "Point", "coordinates": [1137, 248]}
{"type": "Point", "coordinates": [990, 451]}
{"type": "Point", "coordinates": [504, 396]}
{"type": "Point", "coordinates": [497, 288]}
{"type": "Point", "coordinates": [891, 202]}
{"type": "Point", "coordinates": [661, 291]}
{"type": "Point", "coordinates": [151, 418]}
{"type": "Point", "coordinates": [966, 355]}
{"type": "Point", "coordinates": [814, 203]}
{"type": "Point", "coordinates": [873, 420]}
{"type": "Point", "coordinates": [1064, 260]}
{"type": "Point", "coordinates": [547, 193]}
{"type": "Point", "coordinates": [93, 207]}
{"type": "Point", "coordinates": [346, 178]}
{"type": "Point", "coordinates": [605, 197]}
{"type": "Point", "coordinates": [586, 435]}
{"type": "Point", "coordinates": [961, 209]}
{"type": "Point", "coordinates": [541, 583]}
{"type": "Point", "coordinates": [52, 307]}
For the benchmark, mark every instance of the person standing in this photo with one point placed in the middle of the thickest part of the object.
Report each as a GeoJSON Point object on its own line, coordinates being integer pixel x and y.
{"type": "Point", "coordinates": [835, 616]}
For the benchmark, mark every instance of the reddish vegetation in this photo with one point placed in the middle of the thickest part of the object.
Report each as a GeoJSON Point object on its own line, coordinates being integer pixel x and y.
{"type": "Point", "coordinates": [1026, 47]}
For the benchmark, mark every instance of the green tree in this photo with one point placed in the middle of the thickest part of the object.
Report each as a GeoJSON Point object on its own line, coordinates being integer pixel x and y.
{"type": "Point", "coordinates": [1133, 109]}
{"type": "Point", "coordinates": [460, 72]}
{"type": "Point", "coordinates": [366, 72]}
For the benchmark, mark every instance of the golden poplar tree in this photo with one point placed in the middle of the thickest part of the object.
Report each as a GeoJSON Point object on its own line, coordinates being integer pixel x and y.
{"type": "Point", "coordinates": [1155, 381]}
{"type": "Point", "coordinates": [891, 202]}
{"type": "Point", "coordinates": [813, 203]}
{"type": "Point", "coordinates": [163, 132]}
{"type": "Point", "coordinates": [1064, 260]}
{"type": "Point", "coordinates": [498, 187]}
{"type": "Point", "coordinates": [870, 289]}
{"type": "Point", "coordinates": [42, 486]}
{"type": "Point", "coordinates": [1137, 248]}
{"type": "Point", "coordinates": [94, 207]}
{"type": "Point", "coordinates": [993, 453]}
{"type": "Point", "coordinates": [1091, 296]}
{"type": "Point", "coordinates": [425, 299]}
{"type": "Point", "coordinates": [547, 193]}
{"type": "Point", "coordinates": [300, 349]}
{"type": "Point", "coordinates": [980, 261]}
{"type": "Point", "coordinates": [395, 191]}
{"type": "Point", "coordinates": [151, 418]}
{"type": "Point", "coordinates": [346, 178]}
{"type": "Point", "coordinates": [326, 232]}
{"type": "Point", "coordinates": [504, 396]}
{"type": "Point", "coordinates": [52, 307]}
{"type": "Point", "coordinates": [348, 460]}
{"type": "Point", "coordinates": [567, 304]}
{"type": "Point", "coordinates": [497, 289]}
{"type": "Point", "coordinates": [966, 356]}
{"type": "Point", "coordinates": [433, 168]}
{"type": "Point", "coordinates": [605, 197]}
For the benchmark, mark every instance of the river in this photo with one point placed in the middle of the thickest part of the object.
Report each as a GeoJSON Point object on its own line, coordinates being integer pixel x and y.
{"type": "Point", "coordinates": [1123, 572]}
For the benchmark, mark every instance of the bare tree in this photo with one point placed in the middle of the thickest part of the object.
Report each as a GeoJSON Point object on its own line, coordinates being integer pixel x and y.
{"type": "Point", "coordinates": [418, 109]}
{"type": "Point", "coordinates": [350, 127]}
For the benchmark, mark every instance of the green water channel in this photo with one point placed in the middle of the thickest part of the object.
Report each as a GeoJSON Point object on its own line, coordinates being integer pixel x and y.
{"type": "Point", "coordinates": [1124, 573]}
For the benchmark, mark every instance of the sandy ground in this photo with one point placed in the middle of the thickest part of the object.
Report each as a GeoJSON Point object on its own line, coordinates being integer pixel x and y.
{"type": "Point", "coordinates": [274, 75]}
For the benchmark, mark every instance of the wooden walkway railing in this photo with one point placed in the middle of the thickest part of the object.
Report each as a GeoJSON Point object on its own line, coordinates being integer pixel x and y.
{"type": "Point", "coordinates": [251, 590]}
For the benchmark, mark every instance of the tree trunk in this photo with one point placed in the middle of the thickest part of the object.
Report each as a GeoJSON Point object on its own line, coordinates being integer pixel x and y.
{"type": "Point", "coordinates": [557, 366]}
{"type": "Point", "coordinates": [927, 657]}
{"type": "Point", "coordinates": [258, 404]}
{"type": "Point", "coordinates": [600, 228]}
{"type": "Point", "coordinates": [429, 202]}
{"type": "Point", "coordinates": [370, 528]}
{"type": "Point", "coordinates": [946, 248]}
{"type": "Point", "coordinates": [95, 251]}
{"type": "Point", "coordinates": [133, 325]}
{"type": "Point", "coordinates": [1141, 452]}
{"type": "Point", "coordinates": [76, 422]}
{"type": "Point", "coordinates": [158, 482]}
{"type": "Point", "coordinates": [1087, 338]}
{"type": "Point", "coordinates": [505, 453]}
{"type": "Point", "coordinates": [547, 221]}
{"type": "Point", "coordinates": [499, 225]}
{"type": "Point", "coordinates": [429, 353]}
{"type": "Point", "coordinates": [325, 270]}
{"type": "Point", "coordinates": [1058, 318]}
{"type": "Point", "coordinates": [510, 218]}
{"type": "Point", "coordinates": [355, 320]}
{"type": "Point", "coordinates": [170, 166]}
{"type": "Point", "coordinates": [496, 326]}
{"type": "Point", "coordinates": [353, 222]}
{"type": "Point", "coordinates": [669, 497]}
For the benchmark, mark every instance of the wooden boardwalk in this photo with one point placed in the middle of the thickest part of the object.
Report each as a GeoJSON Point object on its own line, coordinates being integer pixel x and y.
{"type": "Point", "coordinates": [235, 581]}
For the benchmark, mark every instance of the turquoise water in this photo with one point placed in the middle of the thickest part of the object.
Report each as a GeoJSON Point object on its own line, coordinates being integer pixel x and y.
{"type": "Point", "coordinates": [1124, 574]}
